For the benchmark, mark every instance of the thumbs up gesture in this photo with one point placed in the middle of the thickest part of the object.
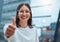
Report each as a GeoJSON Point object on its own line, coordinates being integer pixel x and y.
{"type": "Point", "coordinates": [11, 28]}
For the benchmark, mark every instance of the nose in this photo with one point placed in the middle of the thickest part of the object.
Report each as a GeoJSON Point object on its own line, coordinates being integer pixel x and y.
{"type": "Point", "coordinates": [24, 13]}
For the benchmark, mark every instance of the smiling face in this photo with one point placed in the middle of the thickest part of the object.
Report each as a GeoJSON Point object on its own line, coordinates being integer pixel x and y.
{"type": "Point", "coordinates": [24, 13]}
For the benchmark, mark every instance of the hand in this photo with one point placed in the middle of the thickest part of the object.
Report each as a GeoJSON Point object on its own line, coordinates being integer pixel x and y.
{"type": "Point", "coordinates": [11, 28]}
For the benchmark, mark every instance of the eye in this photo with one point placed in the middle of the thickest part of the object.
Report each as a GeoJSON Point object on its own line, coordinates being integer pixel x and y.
{"type": "Point", "coordinates": [27, 11]}
{"type": "Point", "coordinates": [21, 11]}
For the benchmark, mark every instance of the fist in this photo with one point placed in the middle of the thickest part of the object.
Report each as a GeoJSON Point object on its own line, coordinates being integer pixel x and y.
{"type": "Point", "coordinates": [11, 28]}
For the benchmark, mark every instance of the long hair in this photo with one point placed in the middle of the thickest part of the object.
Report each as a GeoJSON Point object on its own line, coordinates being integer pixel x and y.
{"type": "Point", "coordinates": [30, 19]}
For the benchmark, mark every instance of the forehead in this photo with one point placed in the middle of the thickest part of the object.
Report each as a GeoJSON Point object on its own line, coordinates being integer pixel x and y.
{"type": "Point", "coordinates": [24, 7]}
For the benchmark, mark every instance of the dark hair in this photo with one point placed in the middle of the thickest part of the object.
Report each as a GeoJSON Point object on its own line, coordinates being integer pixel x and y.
{"type": "Point", "coordinates": [30, 19]}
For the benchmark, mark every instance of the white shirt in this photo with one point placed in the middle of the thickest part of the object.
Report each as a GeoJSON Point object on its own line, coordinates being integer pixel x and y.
{"type": "Point", "coordinates": [22, 35]}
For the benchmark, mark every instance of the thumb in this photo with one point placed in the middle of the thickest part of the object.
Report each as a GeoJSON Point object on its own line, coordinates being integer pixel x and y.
{"type": "Point", "coordinates": [14, 21]}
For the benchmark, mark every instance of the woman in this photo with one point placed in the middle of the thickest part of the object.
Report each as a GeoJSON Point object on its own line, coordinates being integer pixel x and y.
{"type": "Point", "coordinates": [21, 30]}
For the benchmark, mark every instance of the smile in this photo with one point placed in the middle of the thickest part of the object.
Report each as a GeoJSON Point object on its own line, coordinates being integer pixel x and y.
{"type": "Point", "coordinates": [23, 17]}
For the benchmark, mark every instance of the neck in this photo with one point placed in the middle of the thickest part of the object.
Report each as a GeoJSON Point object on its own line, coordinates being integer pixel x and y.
{"type": "Point", "coordinates": [23, 24]}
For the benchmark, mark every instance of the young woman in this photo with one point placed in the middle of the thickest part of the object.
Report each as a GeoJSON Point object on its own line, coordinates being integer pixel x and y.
{"type": "Point", "coordinates": [21, 30]}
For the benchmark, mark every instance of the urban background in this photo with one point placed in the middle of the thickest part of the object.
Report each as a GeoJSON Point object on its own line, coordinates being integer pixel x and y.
{"type": "Point", "coordinates": [44, 12]}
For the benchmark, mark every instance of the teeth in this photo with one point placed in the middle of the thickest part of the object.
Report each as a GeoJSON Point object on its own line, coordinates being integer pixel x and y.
{"type": "Point", "coordinates": [23, 17]}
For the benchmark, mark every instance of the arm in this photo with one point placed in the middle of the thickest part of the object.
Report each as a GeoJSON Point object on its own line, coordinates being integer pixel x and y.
{"type": "Point", "coordinates": [4, 30]}
{"type": "Point", "coordinates": [38, 34]}
{"type": "Point", "coordinates": [37, 37]}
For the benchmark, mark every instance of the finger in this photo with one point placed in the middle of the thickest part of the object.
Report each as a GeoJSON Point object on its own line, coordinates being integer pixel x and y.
{"type": "Point", "coordinates": [14, 21]}
{"type": "Point", "coordinates": [12, 27]}
{"type": "Point", "coordinates": [8, 33]}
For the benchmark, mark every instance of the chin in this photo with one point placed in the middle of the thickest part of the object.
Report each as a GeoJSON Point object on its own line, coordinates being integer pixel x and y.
{"type": "Point", "coordinates": [24, 19]}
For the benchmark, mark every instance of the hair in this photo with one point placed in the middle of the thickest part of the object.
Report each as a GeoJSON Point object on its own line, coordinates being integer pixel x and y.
{"type": "Point", "coordinates": [30, 19]}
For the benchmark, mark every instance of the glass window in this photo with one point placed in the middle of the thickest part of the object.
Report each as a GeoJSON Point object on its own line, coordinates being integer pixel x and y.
{"type": "Point", "coordinates": [45, 15]}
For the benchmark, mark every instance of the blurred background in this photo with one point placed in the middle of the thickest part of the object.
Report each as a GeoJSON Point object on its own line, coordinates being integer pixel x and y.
{"type": "Point", "coordinates": [44, 12]}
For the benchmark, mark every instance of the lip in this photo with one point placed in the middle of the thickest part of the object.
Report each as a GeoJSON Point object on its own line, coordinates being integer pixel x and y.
{"type": "Point", "coordinates": [23, 17]}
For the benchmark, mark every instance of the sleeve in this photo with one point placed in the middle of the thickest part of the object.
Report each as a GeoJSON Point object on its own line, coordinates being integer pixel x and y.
{"type": "Point", "coordinates": [4, 30]}
{"type": "Point", "coordinates": [37, 37]}
{"type": "Point", "coordinates": [38, 34]}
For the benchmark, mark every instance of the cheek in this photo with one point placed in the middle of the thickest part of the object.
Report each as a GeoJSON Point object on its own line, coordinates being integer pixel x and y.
{"type": "Point", "coordinates": [28, 15]}
{"type": "Point", "coordinates": [19, 15]}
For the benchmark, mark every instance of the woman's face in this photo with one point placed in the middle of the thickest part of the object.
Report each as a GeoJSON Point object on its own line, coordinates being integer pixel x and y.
{"type": "Point", "coordinates": [24, 13]}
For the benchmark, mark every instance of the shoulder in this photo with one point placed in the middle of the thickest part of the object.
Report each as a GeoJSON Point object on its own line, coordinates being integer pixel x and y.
{"type": "Point", "coordinates": [38, 30]}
